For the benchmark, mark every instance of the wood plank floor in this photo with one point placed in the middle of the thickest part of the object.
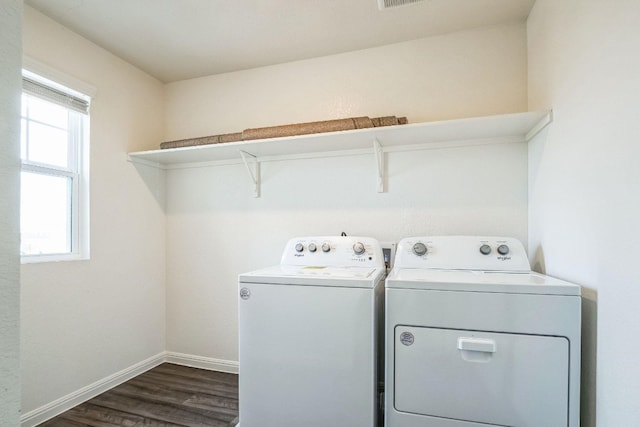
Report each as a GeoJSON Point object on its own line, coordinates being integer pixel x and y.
{"type": "Point", "coordinates": [166, 396]}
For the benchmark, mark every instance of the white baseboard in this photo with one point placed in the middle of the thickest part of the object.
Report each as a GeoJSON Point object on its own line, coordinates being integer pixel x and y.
{"type": "Point", "coordinates": [201, 362]}
{"type": "Point", "coordinates": [58, 406]}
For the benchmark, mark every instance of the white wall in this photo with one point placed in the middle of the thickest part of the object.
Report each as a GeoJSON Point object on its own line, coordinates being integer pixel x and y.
{"type": "Point", "coordinates": [584, 185]}
{"type": "Point", "coordinates": [216, 230]}
{"type": "Point", "coordinates": [10, 83]}
{"type": "Point", "coordinates": [84, 321]}
{"type": "Point", "coordinates": [465, 74]}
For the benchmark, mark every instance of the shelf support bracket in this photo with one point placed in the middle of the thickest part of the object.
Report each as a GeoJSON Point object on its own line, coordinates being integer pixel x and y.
{"type": "Point", "coordinates": [548, 118]}
{"type": "Point", "coordinates": [253, 168]}
{"type": "Point", "coordinates": [379, 155]}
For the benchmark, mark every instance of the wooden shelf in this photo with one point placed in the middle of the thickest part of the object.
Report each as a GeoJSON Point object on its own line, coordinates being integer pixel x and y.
{"type": "Point", "coordinates": [518, 127]}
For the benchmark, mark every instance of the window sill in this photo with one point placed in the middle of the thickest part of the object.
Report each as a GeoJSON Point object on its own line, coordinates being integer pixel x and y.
{"type": "Point", "coordinates": [37, 259]}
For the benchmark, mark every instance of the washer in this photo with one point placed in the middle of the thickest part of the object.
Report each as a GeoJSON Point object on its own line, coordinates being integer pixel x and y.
{"type": "Point", "coordinates": [308, 335]}
{"type": "Point", "coordinates": [475, 338]}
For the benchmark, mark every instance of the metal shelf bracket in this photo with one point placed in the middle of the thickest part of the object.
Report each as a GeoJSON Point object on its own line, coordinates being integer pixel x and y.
{"type": "Point", "coordinates": [379, 155]}
{"type": "Point", "coordinates": [253, 168]}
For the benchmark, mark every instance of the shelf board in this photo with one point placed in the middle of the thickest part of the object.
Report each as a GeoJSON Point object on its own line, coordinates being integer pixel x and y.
{"type": "Point", "coordinates": [516, 127]}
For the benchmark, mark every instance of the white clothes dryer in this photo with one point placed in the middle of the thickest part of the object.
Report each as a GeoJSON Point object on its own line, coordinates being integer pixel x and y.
{"type": "Point", "coordinates": [475, 338]}
{"type": "Point", "coordinates": [308, 339]}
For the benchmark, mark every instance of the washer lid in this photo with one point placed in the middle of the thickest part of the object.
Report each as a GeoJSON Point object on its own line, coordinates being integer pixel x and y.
{"type": "Point", "coordinates": [480, 281]}
{"type": "Point", "coordinates": [352, 277]}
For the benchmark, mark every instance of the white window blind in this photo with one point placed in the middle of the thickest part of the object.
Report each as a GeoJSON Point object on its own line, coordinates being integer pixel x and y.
{"type": "Point", "coordinates": [51, 94]}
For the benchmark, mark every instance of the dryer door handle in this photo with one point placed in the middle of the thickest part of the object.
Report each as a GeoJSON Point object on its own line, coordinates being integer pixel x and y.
{"type": "Point", "coordinates": [476, 344]}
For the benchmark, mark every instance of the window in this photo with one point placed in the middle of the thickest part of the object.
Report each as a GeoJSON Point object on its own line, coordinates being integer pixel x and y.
{"type": "Point", "coordinates": [54, 177]}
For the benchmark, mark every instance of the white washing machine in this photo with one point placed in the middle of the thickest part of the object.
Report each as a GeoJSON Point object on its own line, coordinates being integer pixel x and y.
{"type": "Point", "coordinates": [308, 335]}
{"type": "Point", "coordinates": [474, 338]}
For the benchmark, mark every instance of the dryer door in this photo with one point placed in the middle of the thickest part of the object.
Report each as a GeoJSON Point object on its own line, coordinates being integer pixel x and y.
{"type": "Point", "coordinates": [495, 378]}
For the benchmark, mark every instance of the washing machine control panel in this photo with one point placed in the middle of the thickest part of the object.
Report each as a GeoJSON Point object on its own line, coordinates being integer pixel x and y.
{"type": "Point", "coordinates": [462, 253]}
{"type": "Point", "coordinates": [335, 251]}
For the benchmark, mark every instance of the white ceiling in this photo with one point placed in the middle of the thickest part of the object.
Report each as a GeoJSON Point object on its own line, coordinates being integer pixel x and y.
{"type": "Point", "coordinates": [181, 39]}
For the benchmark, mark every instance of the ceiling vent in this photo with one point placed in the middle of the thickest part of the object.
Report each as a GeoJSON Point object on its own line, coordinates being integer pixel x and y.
{"type": "Point", "coordinates": [388, 4]}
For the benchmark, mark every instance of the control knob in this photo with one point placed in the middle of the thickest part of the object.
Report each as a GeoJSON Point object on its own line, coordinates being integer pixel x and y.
{"type": "Point", "coordinates": [419, 249]}
{"type": "Point", "coordinates": [485, 249]}
{"type": "Point", "coordinates": [312, 247]}
{"type": "Point", "coordinates": [503, 249]}
{"type": "Point", "coordinates": [326, 247]}
{"type": "Point", "coordinates": [299, 247]}
{"type": "Point", "coordinates": [358, 248]}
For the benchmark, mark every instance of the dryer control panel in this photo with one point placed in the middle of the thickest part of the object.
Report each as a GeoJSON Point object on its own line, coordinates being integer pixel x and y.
{"type": "Point", "coordinates": [334, 251]}
{"type": "Point", "coordinates": [481, 253]}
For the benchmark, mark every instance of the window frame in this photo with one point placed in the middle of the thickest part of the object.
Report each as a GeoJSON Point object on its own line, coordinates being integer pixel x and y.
{"type": "Point", "coordinates": [77, 169]}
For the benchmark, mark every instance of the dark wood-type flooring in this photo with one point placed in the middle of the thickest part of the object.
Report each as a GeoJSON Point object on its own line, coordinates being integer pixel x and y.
{"type": "Point", "coordinates": [166, 396]}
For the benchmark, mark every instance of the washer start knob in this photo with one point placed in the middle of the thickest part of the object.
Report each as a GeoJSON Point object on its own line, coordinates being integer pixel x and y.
{"type": "Point", "coordinates": [420, 249]}
{"type": "Point", "coordinates": [503, 249]}
{"type": "Point", "coordinates": [326, 247]}
{"type": "Point", "coordinates": [312, 247]}
{"type": "Point", "coordinates": [299, 247]}
{"type": "Point", "coordinates": [358, 248]}
{"type": "Point", "coordinates": [485, 249]}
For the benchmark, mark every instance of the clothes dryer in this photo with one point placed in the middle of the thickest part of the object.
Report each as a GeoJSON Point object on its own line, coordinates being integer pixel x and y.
{"type": "Point", "coordinates": [475, 338]}
{"type": "Point", "coordinates": [308, 335]}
